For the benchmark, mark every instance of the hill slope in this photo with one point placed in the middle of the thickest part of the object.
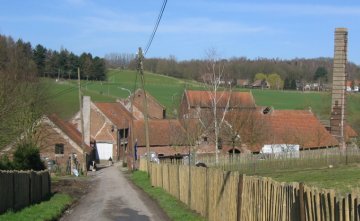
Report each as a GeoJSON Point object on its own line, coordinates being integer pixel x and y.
{"type": "Point", "coordinates": [168, 91]}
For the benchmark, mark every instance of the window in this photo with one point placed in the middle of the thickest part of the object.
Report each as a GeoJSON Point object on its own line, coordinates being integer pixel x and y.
{"type": "Point", "coordinates": [124, 133]}
{"type": "Point", "coordinates": [59, 148]}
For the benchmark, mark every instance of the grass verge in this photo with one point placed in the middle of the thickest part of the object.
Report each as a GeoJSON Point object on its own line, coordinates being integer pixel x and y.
{"type": "Point", "coordinates": [44, 211]}
{"type": "Point", "coordinates": [176, 210]}
{"type": "Point", "coordinates": [343, 178]}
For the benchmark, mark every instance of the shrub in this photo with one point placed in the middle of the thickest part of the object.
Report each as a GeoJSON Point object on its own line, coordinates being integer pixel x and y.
{"type": "Point", "coordinates": [27, 157]}
{"type": "Point", "coordinates": [5, 163]}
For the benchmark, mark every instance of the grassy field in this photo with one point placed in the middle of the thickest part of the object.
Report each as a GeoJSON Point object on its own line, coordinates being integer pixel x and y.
{"type": "Point", "coordinates": [46, 210]}
{"type": "Point", "coordinates": [343, 179]}
{"type": "Point", "coordinates": [176, 210]}
{"type": "Point", "coordinates": [168, 91]}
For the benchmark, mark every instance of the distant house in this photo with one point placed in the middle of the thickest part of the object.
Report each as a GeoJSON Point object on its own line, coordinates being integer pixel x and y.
{"type": "Point", "coordinates": [262, 84]}
{"type": "Point", "coordinates": [243, 83]}
{"type": "Point", "coordinates": [193, 102]}
{"type": "Point", "coordinates": [352, 86]}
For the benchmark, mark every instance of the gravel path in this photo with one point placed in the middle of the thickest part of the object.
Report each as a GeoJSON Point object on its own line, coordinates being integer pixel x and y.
{"type": "Point", "coordinates": [114, 198]}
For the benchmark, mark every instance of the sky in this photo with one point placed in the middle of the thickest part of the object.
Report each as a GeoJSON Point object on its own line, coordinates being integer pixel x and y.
{"type": "Point", "coordinates": [234, 28]}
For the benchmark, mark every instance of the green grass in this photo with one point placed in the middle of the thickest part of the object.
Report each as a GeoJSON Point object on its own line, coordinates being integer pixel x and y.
{"type": "Point", "coordinates": [176, 210]}
{"type": "Point", "coordinates": [168, 91]}
{"type": "Point", "coordinates": [319, 102]}
{"type": "Point", "coordinates": [343, 179]}
{"type": "Point", "coordinates": [66, 103]}
{"type": "Point", "coordinates": [47, 210]}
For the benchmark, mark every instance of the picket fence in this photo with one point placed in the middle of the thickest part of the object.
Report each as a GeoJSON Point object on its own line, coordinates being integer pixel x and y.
{"type": "Point", "coordinates": [19, 189]}
{"type": "Point", "coordinates": [230, 196]}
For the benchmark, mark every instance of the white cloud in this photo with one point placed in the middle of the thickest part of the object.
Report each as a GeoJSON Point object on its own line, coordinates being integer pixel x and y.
{"type": "Point", "coordinates": [283, 8]}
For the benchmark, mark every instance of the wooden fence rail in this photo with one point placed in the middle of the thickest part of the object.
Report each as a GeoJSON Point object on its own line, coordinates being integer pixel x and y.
{"type": "Point", "coordinates": [265, 163]}
{"type": "Point", "coordinates": [231, 196]}
{"type": "Point", "coordinates": [19, 189]}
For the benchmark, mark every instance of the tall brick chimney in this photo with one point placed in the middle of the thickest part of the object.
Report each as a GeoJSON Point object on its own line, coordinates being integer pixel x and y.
{"type": "Point", "coordinates": [337, 119]}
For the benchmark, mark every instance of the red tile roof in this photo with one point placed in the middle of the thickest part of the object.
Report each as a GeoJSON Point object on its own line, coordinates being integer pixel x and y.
{"type": "Point", "coordinates": [116, 113]}
{"type": "Point", "coordinates": [297, 127]}
{"type": "Point", "coordinates": [69, 130]}
{"type": "Point", "coordinates": [350, 132]}
{"type": "Point", "coordinates": [204, 99]}
{"type": "Point", "coordinates": [161, 133]}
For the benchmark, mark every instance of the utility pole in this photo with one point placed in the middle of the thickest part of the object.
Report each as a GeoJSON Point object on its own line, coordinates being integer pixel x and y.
{"type": "Point", "coordinates": [141, 70]}
{"type": "Point", "coordinates": [82, 126]}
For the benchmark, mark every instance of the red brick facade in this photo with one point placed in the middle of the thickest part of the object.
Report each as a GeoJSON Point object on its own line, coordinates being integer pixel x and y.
{"type": "Point", "coordinates": [53, 131]}
{"type": "Point", "coordinates": [155, 109]}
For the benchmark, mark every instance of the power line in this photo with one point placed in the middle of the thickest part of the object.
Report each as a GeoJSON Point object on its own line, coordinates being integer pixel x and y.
{"type": "Point", "coordinates": [155, 27]}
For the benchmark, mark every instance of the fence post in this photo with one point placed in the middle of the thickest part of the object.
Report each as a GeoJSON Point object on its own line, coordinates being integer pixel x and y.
{"type": "Point", "coordinates": [240, 191]}
{"type": "Point", "coordinates": [301, 202]}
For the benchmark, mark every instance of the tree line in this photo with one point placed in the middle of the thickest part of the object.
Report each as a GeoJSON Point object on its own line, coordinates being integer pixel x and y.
{"type": "Point", "coordinates": [56, 64]}
{"type": "Point", "coordinates": [290, 71]}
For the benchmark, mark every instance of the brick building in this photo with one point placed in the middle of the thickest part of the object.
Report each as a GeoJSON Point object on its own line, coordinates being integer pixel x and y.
{"type": "Point", "coordinates": [167, 137]}
{"type": "Point", "coordinates": [195, 102]}
{"type": "Point", "coordinates": [155, 109]}
{"type": "Point", "coordinates": [58, 139]}
{"type": "Point", "coordinates": [110, 123]}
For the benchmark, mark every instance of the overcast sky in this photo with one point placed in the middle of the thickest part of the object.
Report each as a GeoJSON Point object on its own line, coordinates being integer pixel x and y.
{"type": "Point", "coordinates": [272, 29]}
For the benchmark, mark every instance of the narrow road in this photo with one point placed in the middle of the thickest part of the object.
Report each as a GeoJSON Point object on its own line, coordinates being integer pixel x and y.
{"type": "Point", "coordinates": [114, 198]}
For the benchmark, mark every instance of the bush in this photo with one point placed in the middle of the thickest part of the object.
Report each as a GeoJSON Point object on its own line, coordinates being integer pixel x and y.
{"type": "Point", "coordinates": [27, 157]}
{"type": "Point", "coordinates": [5, 163]}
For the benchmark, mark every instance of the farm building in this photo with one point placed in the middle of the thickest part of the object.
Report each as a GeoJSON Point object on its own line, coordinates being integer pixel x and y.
{"type": "Point", "coordinates": [155, 109]}
{"type": "Point", "coordinates": [262, 84]}
{"type": "Point", "coordinates": [109, 123]}
{"type": "Point", "coordinates": [195, 102]}
{"type": "Point", "coordinates": [243, 83]}
{"type": "Point", "coordinates": [167, 137]}
{"type": "Point", "coordinates": [59, 139]}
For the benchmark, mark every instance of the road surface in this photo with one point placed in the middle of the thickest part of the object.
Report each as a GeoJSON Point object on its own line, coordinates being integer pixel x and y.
{"type": "Point", "coordinates": [114, 198]}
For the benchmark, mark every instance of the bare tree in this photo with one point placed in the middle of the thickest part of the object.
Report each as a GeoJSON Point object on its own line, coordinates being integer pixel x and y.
{"type": "Point", "coordinates": [219, 93]}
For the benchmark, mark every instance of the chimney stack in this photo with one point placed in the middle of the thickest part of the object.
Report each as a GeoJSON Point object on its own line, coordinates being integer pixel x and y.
{"type": "Point", "coordinates": [339, 85]}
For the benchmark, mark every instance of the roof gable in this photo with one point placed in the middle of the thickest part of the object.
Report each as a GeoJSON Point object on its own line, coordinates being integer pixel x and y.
{"type": "Point", "coordinates": [69, 130]}
{"type": "Point", "coordinates": [116, 113]}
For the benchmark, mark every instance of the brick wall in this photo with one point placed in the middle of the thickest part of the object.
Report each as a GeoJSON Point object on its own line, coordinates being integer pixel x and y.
{"type": "Point", "coordinates": [50, 136]}
{"type": "Point", "coordinates": [102, 130]}
{"type": "Point", "coordinates": [155, 110]}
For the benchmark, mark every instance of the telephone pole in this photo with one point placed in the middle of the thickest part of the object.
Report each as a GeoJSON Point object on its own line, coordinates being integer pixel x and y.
{"type": "Point", "coordinates": [141, 70]}
{"type": "Point", "coordinates": [82, 126]}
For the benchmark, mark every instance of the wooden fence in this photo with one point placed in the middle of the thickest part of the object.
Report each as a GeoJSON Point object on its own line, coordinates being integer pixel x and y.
{"type": "Point", "coordinates": [19, 189]}
{"type": "Point", "coordinates": [265, 163]}
{"type": "Point", "coordinates": [229, 196]}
